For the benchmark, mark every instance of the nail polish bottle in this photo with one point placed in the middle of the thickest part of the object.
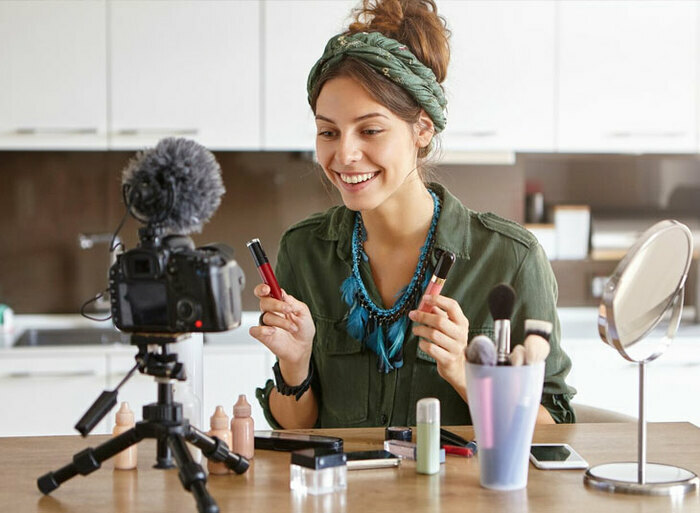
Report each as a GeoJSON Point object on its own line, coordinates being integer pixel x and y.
{"type": "Point", "coordinates": [428, 436]}
{"type": "Point", "coordinates": [125, 460]}
{"type": "Point", "coordinates": [242, 429]}
{"type": "Point", "coordinates": [219, 429]}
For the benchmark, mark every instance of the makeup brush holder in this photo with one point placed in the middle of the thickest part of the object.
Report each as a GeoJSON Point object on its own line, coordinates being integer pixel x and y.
{"type": "Point", "coordinates": [503, 402]}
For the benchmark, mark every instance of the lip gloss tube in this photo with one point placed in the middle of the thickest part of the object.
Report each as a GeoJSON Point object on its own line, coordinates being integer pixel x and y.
{"type": "Point", "coordinates": [438, 279]}
{"type": "Point", "coordinates": [264, 268]}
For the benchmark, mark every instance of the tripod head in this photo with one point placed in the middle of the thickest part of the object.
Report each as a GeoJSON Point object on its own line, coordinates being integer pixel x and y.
{"type": "Point", "coordinates": [162, 364]}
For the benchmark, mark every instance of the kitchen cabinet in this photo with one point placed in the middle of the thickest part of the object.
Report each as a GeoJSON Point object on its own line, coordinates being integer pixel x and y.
{"type": "Point", "coordinates": [232, 371]}
{"type": "Point", "coordinates": [500, 83]}
{"type": "Point", "coordinates": [53, 75]}
{"type": "Point", "coordinates": [627, 76]}
{"type": "Point", "coordinates": [604, 379]}
{"type": "Point", "coordinates": [295, 34]}
{"type": "Point", "coordinates": [45, 391]}
{"type": "Point", "coordinates": [186, 68]}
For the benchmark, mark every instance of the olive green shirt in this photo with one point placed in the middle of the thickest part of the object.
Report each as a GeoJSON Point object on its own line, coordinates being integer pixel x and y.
{"type": "Point", "coordinates": [315, 257]}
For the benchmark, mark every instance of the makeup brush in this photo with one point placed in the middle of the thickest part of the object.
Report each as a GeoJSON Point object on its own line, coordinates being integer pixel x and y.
{"type": "Point", "coordinates": [501, 301]}
{"type": "Point", "coordinates": [517, 356]}
{"type": "Point", "coordinates": [541, 328]}
{"type": "Point", "coordinates": [481, 350]}
{"type": "Point", "coordinates": [536, 349]}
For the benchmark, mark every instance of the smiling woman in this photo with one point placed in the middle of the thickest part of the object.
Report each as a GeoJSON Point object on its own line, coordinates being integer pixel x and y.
{"type": "Point", "coordinates": [352, 348]}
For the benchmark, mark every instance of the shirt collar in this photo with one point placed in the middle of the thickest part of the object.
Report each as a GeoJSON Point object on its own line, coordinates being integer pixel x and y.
{"type": "Point", "coordinates": [452, 232]}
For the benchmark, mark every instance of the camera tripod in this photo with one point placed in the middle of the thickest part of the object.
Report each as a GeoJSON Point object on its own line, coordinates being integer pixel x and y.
{"type": "Point", "coordinates": [162, 420]}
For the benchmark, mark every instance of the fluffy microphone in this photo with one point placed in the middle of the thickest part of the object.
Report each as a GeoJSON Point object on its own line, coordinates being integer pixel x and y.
{"type": "Point", "coordinates": [501, 301]}
{"type": "Point", "coordinates": [176, 186]}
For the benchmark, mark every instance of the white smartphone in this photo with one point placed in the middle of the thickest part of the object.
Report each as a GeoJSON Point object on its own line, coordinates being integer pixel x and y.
{"type": "Point", "coordinates": [556, 456]}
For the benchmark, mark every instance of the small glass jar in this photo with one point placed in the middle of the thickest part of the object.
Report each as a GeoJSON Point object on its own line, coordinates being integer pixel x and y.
{"type": "Point", "coordinates": [318, 471]}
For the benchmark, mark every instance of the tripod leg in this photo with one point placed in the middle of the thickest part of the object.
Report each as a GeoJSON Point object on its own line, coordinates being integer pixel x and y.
{"type": "Point", "coordinates": [192, 475]}
{"type": "Point", "coordinates": [163, 456]}
{"type": "Point", "coordinates": [217, 450]}
{"type": "Point", "coordinates": [88, 460]}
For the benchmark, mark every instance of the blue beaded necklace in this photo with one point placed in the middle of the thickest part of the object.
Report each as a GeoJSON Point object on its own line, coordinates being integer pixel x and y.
{"type": "Point", "coordinates": [383, 329]}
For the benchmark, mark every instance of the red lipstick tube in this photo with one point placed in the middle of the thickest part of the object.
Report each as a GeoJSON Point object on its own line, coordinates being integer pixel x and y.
{"type": "Point", "coordinates": [438, 280]}
{"type": "Point", "coordinates": [264, 268]}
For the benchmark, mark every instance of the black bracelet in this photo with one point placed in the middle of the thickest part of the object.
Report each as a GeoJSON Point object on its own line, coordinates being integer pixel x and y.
{"type": "Point", "coordinates": [285, 389]}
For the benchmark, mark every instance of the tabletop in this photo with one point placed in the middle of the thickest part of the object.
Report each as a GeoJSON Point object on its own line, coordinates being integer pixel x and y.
{"type": "Point", "coordinates": [265, 486]}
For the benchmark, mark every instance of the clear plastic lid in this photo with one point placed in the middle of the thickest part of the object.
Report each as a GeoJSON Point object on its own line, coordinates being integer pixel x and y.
{"type": "Point", "coordinates": [428, 411]}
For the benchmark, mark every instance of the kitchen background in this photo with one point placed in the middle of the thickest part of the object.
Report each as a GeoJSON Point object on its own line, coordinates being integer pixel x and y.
{"type": "Point", "coordinates": [575, 103]}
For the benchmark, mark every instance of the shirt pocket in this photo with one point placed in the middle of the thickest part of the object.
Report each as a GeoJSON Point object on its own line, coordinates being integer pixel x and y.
{"type": "Point", "coordinates": [428, 383]}
{"type": "Point", "coordinates": [473, 332]}
{"type": "Point", "coordinates": [343, 374]}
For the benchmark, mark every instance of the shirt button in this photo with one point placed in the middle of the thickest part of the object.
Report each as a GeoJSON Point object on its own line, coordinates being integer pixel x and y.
{"type": "Point", "coordinates": [383, 419]}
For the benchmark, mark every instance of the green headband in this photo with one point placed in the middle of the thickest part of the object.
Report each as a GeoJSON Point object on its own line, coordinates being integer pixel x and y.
{"type": "Point", "coordinates": [393, 60]}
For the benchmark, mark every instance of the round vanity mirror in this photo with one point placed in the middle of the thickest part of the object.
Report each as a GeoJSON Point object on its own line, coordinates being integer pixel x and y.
{"type": "Point", "coordinates": [645, 289]}
{"type": "Point", "coordinates": [647, 283]}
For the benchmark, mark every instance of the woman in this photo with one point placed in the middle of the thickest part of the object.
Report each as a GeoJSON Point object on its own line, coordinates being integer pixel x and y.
{"type": "Point", "coordinates": [352, 349]}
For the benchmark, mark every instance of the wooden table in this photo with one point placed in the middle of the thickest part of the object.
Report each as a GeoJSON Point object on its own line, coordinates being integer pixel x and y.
{"type": "Point", "coordinates": [265, 487]}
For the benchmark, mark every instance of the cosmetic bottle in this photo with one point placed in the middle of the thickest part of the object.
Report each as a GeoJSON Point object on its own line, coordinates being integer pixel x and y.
{"type": "Point", "coordinates": [192, 411]}
{"type": "Point", "coordinates": [191, 352]}
{"type": "Point", "coordinates": [428, 436]}
{"type": "Point", "coordinates": [125, 460]}
{"type": "Point", "coordinates": [444, 264]}
{"type": "Point", "coordinates": [219, 429]}
{"type": "Point", "coordinates": [242, 429]}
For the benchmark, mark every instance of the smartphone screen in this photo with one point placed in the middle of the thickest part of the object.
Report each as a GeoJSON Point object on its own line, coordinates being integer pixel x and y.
{"type": "Point", "coordinates": [553, 456]}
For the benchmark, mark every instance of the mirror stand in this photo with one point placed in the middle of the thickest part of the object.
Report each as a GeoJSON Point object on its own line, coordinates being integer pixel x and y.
{"type": "Point", "coordinates": [641, 477]}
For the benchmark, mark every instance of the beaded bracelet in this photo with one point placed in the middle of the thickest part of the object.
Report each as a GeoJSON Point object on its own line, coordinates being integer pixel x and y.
{"type": "Point", "coordinates": [285, 389]}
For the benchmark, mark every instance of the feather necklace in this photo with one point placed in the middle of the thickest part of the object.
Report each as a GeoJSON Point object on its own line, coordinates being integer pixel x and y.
{"type": "Point", "coordinates": [383, 330]}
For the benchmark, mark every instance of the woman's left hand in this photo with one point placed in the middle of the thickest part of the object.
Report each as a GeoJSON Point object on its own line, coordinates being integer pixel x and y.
{"type": "Point", "coordinates": [444, 335]}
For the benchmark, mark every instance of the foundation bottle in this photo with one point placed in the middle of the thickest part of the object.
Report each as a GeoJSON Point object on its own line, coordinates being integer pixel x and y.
{"type": "Point", "coordinates": [242, 429]}
{"type": "Point", "coordinates": [219, 429]}
{"type": "Point", "coordinates": [125, 460]}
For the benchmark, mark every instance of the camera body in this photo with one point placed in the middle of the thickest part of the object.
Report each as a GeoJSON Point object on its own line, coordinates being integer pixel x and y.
{"type": "Point", "coordinates": [169, 286]}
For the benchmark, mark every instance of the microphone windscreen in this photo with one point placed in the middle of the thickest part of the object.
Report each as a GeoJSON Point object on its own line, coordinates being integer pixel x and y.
{"type": "Point", "coordinates": [501, 301]}
{"type": "Point", "coordinates": [177, 185]}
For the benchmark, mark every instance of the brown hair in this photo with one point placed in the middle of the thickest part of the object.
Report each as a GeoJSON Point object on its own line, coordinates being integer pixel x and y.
{"type": "Point", "coordinates": [414, 23]}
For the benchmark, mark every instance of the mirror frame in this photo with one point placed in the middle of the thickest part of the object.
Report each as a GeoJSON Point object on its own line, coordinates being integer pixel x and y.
{"type": "Point", "coordinates": [607, 327]}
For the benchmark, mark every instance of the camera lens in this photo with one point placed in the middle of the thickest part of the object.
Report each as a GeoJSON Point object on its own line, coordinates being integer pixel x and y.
{"type": "Point", "coordinates": [186, 310]}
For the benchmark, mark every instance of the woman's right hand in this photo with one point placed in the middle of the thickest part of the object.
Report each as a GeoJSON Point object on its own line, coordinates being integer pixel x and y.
{"type": "Point", "coordinates": [288, 332]}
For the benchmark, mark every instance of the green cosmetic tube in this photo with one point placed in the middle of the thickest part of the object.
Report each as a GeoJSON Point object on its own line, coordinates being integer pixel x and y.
{"type": "Point", "coordinates": [428, 436]}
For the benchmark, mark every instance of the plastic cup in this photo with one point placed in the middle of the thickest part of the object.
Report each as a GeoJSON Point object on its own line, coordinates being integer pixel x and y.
{"type": "Point", "coordinates": [503, 402]}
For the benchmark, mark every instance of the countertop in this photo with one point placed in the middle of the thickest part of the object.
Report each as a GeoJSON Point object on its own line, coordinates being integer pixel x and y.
{"type": "Point", "coordinates": [265, 486]}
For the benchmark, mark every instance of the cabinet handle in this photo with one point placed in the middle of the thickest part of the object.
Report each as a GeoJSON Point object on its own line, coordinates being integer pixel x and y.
{"type": "Point", "coordinates": [621, 134]}
{"type": "Point", "coordinates": [56, 131]}
{"type": "Point", "coordinates": [156, 131]}
{"type": "Point", "coordinates": [476, 133]}
{"type": "Point", "coordinates": [51, 374]}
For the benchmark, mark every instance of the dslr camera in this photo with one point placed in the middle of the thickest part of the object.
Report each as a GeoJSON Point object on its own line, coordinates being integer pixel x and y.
{"type": "Point", "coordinates": [166, 284]}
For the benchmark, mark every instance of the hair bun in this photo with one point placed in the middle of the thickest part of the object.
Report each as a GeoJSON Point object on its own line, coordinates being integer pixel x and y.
{"type": "Point", "coordinates": [414, 23]}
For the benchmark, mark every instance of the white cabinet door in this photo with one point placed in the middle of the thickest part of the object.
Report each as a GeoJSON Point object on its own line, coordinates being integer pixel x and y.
{"type": "Point", "coordinates": [186, 68]}
{"type": "Point", "coordinates": [295, 32]}
{"type": "Point", "coordinates": [627, 74]}
{"type": "Point", "coordinates": [500, 81]}
{"type": "Point", "coordinates": [43, 395]}
{"type": "Point", "coordinates": [234, 371]}
{"type": "Point", "coordinates": [52, 75]}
